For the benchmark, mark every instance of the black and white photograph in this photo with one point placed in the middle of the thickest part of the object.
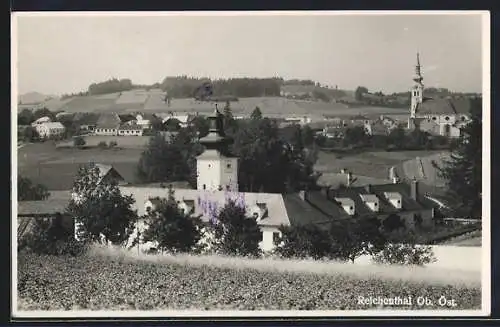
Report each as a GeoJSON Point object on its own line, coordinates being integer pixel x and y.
{"type": "Point", "coordinates": [295, 163]}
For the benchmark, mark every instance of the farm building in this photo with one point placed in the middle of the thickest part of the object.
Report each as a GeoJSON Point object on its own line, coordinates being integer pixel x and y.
{"type": "Point", "coordinates": [130, 130]}
{"type": "Point", "coordinates": [107, 124]}
{"type": "Point", "coordinates": [87, 121]}
{"type": "Point", "coordinates": [442, 116]}
{"type": "Point", "coordinates": [52, 208]}
{"type": "Point", "coordinates": [50, 129]}
{"type": "Point", "coordinates": [145, 120]}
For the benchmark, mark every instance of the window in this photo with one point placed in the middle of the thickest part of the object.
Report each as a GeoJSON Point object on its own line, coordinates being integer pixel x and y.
{"type": "Point", "coordinates": [276, 237]}
{"type": "Point", "coordinates": [351, 208]}
{"type": "Point", "coordinates": [463, 118]}
{"type": "Point", "coordinates": [399, 201]}
{"type": "Point", "coordinates": [376, 204]}
{"type": "Point", "coordinates": [209, 165]}
{"type": "Point", "coordinates": [228, 165]}
{"type": "Point", "coordinates": [434, 118]}
{"type": "Point", "coordinates": [446, 118]}
{"type": "Point", "coordinates": [261, 237]}
{"type": "Point", "coordinates": [204, 186]}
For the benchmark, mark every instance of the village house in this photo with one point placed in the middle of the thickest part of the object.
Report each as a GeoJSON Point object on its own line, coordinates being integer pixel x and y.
{"type": "Point", "coordinates": [130, 130]}
{"type": "Point", "coordinates": [87, 121]}
{"type": "Point", "coordinates": [441, 116]}
{"type": "Point", "coordinates": [107, 124]}
{"type": "Point", "coordinates": [145, 120]}
{"type": "Point", "coordinates": [50, 129]}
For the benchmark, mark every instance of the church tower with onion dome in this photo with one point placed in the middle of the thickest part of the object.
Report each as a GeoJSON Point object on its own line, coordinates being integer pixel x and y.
{"type": "Point", "coordinates": [417, 93]}
{"type": "Point", "coordinates": [217, 169]}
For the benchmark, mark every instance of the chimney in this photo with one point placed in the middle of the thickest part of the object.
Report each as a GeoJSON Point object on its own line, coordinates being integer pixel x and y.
{"type": "Point", "coordinates": [414, 189]}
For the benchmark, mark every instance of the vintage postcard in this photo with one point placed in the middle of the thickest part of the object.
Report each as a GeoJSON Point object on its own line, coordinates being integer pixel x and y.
{"type": "Point", "coordinates": [240, 164]}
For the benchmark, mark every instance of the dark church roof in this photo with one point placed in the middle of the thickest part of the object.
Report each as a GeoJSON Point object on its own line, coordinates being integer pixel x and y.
{"type": "Point", "coordinates": [451, 106]}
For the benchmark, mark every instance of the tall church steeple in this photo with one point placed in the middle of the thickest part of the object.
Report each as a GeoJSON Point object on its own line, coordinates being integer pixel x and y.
{"type": "Point", "coordinates": [217, 169]}
{"type": "Point", "coordinates": [417, 92]}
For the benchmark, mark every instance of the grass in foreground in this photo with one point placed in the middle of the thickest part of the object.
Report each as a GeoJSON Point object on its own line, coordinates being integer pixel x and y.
{"type": "Point", "coordinates": [107, 280]}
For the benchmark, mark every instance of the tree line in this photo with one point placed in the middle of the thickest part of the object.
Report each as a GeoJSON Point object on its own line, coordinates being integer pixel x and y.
{"type": "Point", "coordinates": [398, 139]}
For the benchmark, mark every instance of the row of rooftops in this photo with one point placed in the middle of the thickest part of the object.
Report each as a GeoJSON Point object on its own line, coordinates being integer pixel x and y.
{"type": "Point", "coordinates": [317, 207]}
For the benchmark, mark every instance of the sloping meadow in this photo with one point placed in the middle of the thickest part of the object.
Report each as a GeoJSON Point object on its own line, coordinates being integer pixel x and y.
{"type": "Point", "coordinates": [108, 279]}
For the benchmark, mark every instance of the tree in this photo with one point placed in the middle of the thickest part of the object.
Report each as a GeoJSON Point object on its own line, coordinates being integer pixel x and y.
{"type": "Point", "coordinates": [256, 113]}
{"type": "Point", "coordinates": [44, 112]}
{"type": "Point", "coordinates": [353, 238]}
{"type": "Point", "coordinates": [50, 236]}
{"type": "Point", "coordinates": [237, 233]}
{"type": "Point", "coordinates": [356, 136]}
{"type": "Point", "coordinates": [402, 249]}
{"type": "Point", "coordinates": [172, 229]}
{"type": "Point", "coordinates": [25, 117]}
{"type": "Point", "coordinates": [392, 223]}
{"type": "Point", "coordinates": [301, 242]}
{"type": "Point", "coordinates": [463, 171]}
{"type": "Point", "coordinates": [30, 134]}
{"type": "Point", "coordinates": [359, 92]}
{"type": "Point", "coordinates": [162, 161]}
{"type": "Point", "coordinates": [270, 161]}
{"type": "Point", "coordinates": [397, 137]}
{"type": "Point", "coordinates": [200, 126]}
{"type": "Point", "coordinates": [307, 136]}
{"type": "Point", "coordinates": [27, 191]}
{"type": "Point", "coordinates": [79, 142]}
{"type": "Point", "coordinates": [99, 208]}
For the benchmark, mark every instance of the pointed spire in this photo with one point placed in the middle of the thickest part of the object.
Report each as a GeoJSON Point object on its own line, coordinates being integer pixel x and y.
{"type": "Point", "coordinates": [418, 74]}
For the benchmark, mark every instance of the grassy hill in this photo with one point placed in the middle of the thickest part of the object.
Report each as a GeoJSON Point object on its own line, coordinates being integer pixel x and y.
{"type": "Point", "coordinates": [149, 101]}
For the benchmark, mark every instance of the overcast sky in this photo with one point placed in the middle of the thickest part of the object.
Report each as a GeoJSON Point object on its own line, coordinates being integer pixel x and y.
{"type": "Point", "coordinates": [61, 54]}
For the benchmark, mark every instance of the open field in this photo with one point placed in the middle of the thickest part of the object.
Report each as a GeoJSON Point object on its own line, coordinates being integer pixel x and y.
{"type": "Point", "coordinates": [56, 167]}
{"type": "Point", "coordinates": [140, 100]}
{"type": "Point", "coordinates": [430, 175]}
{"type": "Point", "coordinates": [122, 281]}
{"type": "Point", "coordinates": [373, 164]}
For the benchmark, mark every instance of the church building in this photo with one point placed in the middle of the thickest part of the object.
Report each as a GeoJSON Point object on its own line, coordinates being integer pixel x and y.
{"type": "Point", "coordinates": [438, 116]}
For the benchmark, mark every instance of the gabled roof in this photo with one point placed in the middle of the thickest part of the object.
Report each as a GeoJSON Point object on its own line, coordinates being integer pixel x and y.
{"type": "Point", "coordinates": [369, 197]}
{"type": "Point", "coordinates": [444, 106]}
{"type": "Point", "coordinates": [108, 120]}
{"type": "Point", "coordinates": [203, 200]}
{"type": "Point", "coordinates": [50, 206]}
{"type": "Point", "coordinates": [126, 117]}
{"type": "Point", "coordinates": [55, 124]}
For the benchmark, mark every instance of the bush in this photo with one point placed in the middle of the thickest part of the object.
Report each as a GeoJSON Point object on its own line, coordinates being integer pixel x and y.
{"type": "Point", "coordinates": [405, 254]}
{"type": "Point", "coordinates": [102, 145]}
{"type": "Point", "coordinates": [112, 144]}
{"type": "Point", "coordinates": [79, 142]}
{"type": "Point", "coordinates": [171, 228]}
{"type": "Point", "coordinates": [50, 237]}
